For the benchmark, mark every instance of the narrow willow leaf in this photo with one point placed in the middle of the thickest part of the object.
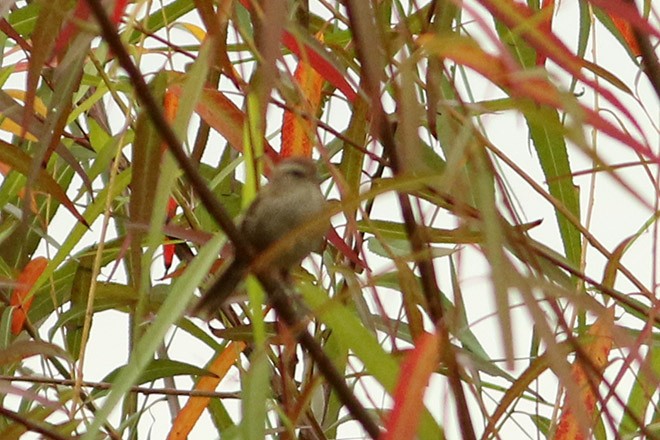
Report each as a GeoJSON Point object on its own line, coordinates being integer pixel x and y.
{"type": "Point", "coordinates": [256, 389]}
{"type": "Point", "coordinates": [161, 368]}
{"type": "Point", "coordinates": [546, 132]}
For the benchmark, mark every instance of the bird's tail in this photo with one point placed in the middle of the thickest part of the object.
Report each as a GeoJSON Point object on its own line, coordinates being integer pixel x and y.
{"type": "Point", "coordinates": [220, 291]}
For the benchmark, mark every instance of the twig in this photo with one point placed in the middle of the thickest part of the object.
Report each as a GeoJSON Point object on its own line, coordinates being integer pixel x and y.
{"type": "Point", "coordinates": [108, 385]}
{"type": "Point", "coordinates": [30, 425]}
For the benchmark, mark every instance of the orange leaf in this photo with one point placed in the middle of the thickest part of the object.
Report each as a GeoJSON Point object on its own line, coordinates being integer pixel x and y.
{"type": "Point", "coordinates": [318, 61]}
{"type": "Point", "coordinates": [13, 126]}
{"type": "Point", "coordinates": [409, 392]}
{"type": "Point", "coordinates": [20, 297]}
{"type": "Point", "coordinates": [171, 105]}
{"type": "Point", "coordinates": [296, 128]}
{"type": "Point", "coordinates": [627, 33]}
{"type": "Point", "coordinates": [14, 115]}
{"type": "Point", "coordinates": [599, 347]}
{"type": "Point", "coordinates": [189, 415]}
{"type": "Point", "coordinates": [597, 350]}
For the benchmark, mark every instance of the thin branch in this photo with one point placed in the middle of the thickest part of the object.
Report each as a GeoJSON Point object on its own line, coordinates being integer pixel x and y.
{"type": "Point", "coordinates": [32, 426]}
{"type": "Point", "coordinates": [84, 397]}
{"type": "Point", "coordinates": [108, 385]}
{"type": "Point", "coordinates": [281, 301]}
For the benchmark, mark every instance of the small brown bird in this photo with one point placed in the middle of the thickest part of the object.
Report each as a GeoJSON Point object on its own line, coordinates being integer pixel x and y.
{"type": "Point", "coordinates": [291, 200]}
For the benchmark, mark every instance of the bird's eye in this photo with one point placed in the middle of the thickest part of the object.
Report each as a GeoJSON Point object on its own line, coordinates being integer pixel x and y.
{"type": "Point", "coordinates": [297, 172]}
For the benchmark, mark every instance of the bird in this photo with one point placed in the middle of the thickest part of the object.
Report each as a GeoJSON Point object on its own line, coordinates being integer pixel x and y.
{"type": "Point", "coordinates": [292, 200]}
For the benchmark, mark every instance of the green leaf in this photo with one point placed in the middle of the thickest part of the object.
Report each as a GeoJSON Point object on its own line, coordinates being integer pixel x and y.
{"type": "Point", "coordinates": [162, 17]}
{"type": "Point", "coordinates": [5, 327]}
{"type": "Point", "coordinates": [640, 397]}
{"type": "Point", "coordinates": [547, 133]}
{"type": "Point", "coordinates": [22, 349]}
{"type": "Point", "coordinates": [50, 18]}
{"type": "Point", "coordinates": [92, 212]}
{"type": "Point", "coordinates": [256, 389]}
{"type": "Point", "coordinates": [397, 231]}
{"type": "Point", "coordinates": [159, 369]}
{"type": "Point", "coordinates": [147, 161]}
{"type": "Point", "coordinates": [401, 248]}
{"type": "Point", "coordinates": [24, 19]}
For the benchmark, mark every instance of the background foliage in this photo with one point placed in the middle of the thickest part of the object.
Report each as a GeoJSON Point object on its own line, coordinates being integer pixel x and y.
{"type": "Point", "coordinates": [483, 154]}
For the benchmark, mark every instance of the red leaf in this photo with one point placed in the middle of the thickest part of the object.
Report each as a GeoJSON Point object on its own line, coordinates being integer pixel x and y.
{"type": "Point", "coordinates": [171, 208]}
{"type": "Point", "coordinates": [168, 255]}
{"type": "Point", "coordinates": [628, 12]}
{"type": "Point", "coordinates": [168, 248]}
{"type": "Point", "coordinates": [509, 76]}
{"type": "Point", "coordinates": [545, 26]}
{"type": "Point", "coordinates": [72, 27]}
{"type": "Point", "coordinates": [118, 11]}
{"type": "Point", "coordinates": [345, 249]}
